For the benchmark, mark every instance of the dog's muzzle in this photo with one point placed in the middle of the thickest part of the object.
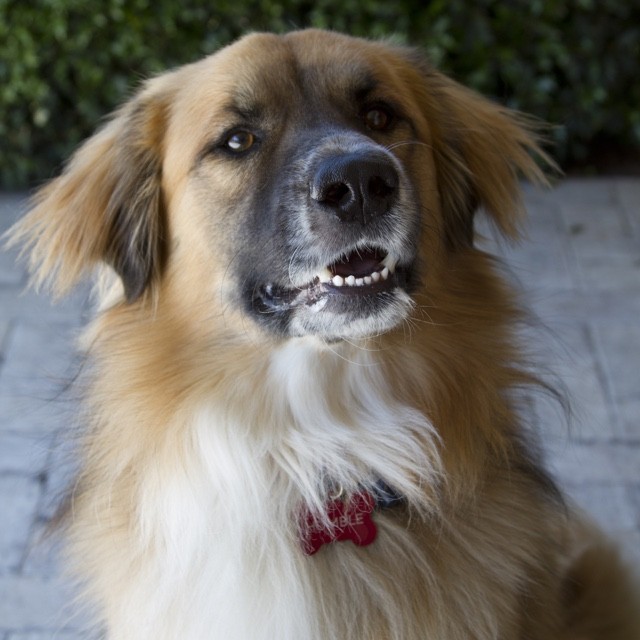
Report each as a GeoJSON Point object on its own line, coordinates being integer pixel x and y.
{"type": "Point", "coordinates": [343, 257]}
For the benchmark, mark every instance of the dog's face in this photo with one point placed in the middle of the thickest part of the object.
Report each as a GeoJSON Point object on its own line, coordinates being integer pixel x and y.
{"type": "Point", "coordinates": [311, 181]}
{"type": "Point", "coordinates": [309, 168]}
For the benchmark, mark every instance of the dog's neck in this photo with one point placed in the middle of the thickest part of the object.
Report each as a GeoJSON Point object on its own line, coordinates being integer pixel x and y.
{"type": "Point", "coordinates": [315, 417]}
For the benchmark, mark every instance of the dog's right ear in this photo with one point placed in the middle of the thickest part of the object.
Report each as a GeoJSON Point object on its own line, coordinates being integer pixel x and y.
{"type": "Point", "coordinates": [106, 206]}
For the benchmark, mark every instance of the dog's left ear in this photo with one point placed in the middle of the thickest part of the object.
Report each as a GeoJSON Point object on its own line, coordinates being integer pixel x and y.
{"type": "Point", "coordinates": [481, 151]}
{"type": "Point", "coordinates": [106, 206]}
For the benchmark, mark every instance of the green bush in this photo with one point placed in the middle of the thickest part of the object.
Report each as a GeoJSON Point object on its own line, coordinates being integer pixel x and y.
{"type": "Point", "coordinates": [64, 64]}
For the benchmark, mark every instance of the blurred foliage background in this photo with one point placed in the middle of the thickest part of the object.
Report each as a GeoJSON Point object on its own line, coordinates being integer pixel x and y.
{"type": "Point", "coordinates": [64, 64]}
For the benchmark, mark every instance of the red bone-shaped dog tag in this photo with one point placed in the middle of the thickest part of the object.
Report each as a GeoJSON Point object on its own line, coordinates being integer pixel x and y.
{"type": "Point", "coordinates": [350, 520]}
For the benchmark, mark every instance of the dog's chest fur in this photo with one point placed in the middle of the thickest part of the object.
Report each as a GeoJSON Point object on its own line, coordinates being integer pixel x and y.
{"type": "Point", "coordinates": [216, 525]}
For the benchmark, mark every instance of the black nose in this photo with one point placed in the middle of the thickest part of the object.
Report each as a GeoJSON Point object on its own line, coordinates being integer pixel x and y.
{"type": "Point", "coordinates": [356, 187]}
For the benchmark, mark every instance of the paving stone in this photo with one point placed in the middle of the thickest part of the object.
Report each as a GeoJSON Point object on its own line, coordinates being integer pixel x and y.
{"type": "Point", "coordinates": [570, 356]}
{"type": "Point", "coordinates": [621, 272]}
{"type": "Point", "coordinates": [628, 195]}
{"type": "Point", "coordinates": [38, 603]}
{"type": "Point", "coordinates": [629, 542]}
{"type": "Point", "coordinates": [629, 411]}
{"type": "Point", "coordinates": [542, 268]}
{"type": "Point", "coordinates": [4, 333]}
{"type": "Point", "coordinates": [610, 506]}
{"type": "Point", "coordinates": [587, 192]}
{"type": "Point", "coordinates": [50, 634]}
{"type": "Point", "coordinates": [583, 463]}
{"type": "Point", "coordinates": [33, 378]}
{"type": "Point", "coordinates": [607, 256]}
{"type": "Point", "coordinates": [12, 206]}
{"type": "Point", "coordinates": [23, 454]}
{"type": "Point", "coordinates": [595, 230]}
{"type": "Point", "coordinates": [539, 261]}
{"type": "Point", "coordinates": [61, 471]}
{"type": "Point", "coordinates": [11, 275]}
{"type": "Point", "coordinates": [599, 308]}
{"type": "Point", "coordinates": [551, 422]}
{"type": "Point", "coordinates": [634, 494]}
{"type": "Point", "coordinates": [621, 349]}
{"type": "Point", "coordinates": [44, 556]}
{"type": "Point", "coordinates": [569, 353]}
{"type": "Point", "coordinates": [38, 309]}
{"type": "Point", "coordinates": [19, 498]}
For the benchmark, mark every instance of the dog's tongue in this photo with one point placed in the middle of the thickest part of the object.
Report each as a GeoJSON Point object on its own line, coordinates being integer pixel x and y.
{"type": "Point", "coordinates": [357, 263]}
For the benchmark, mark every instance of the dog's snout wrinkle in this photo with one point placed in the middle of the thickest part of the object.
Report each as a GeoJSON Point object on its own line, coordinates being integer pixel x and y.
{"type": "Point", "coordinates": [356, 187]}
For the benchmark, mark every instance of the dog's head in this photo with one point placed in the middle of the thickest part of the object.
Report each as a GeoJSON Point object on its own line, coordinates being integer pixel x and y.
{"type": "Point", "coordinates": [312, 181]}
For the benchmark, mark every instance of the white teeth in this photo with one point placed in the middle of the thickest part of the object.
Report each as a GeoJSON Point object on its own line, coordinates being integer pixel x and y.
{"type": "Point", "coordinates": [352, 281]}
{"type": "Point", "coordinates": [387, 267]}
{"type": "Point", "coordinates": [390, 263]}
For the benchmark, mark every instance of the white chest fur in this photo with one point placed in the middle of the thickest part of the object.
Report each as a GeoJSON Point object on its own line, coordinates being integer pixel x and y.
{"type": "Point", "coordinates": [219, 522]}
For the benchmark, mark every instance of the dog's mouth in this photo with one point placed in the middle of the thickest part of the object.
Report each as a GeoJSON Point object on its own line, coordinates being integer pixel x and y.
{"type": "Point", "coordinates": [362, 271]}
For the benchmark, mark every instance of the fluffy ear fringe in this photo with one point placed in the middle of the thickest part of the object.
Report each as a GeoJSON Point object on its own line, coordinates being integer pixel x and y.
{"type": "Point", "coordinates": [481, 151]}
{"type": "Point", "coordinates": [105, 207]}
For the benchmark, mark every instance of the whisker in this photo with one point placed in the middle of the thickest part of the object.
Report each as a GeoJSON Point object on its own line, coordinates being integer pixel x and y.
{"type": "Point", "coordinates": [354, 362]}
{"type": "Point", "coordinates": [403, 143]}
{"type": "Point", "coordinates": [290, 265]}
{"type": "Point", "coordinates": [362, 347]}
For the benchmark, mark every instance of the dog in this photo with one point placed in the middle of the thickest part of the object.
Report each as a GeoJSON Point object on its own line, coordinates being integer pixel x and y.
{"type": "Point", "coordinates": [301, 414]}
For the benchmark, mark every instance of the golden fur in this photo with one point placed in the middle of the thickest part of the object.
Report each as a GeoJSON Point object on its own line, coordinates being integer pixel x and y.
{"type": "Point", "coordinates": [206, 432]}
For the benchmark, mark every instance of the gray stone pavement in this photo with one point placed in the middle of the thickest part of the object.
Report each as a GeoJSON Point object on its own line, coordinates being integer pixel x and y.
{"type": "Point", "coordinates": [580, 268]}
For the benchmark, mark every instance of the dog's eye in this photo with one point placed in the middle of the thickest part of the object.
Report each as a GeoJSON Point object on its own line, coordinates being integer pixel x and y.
{"type": "Point", "coordinates": [240, 141]}
{"type": "Point", "coordinates": [378, 118]}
